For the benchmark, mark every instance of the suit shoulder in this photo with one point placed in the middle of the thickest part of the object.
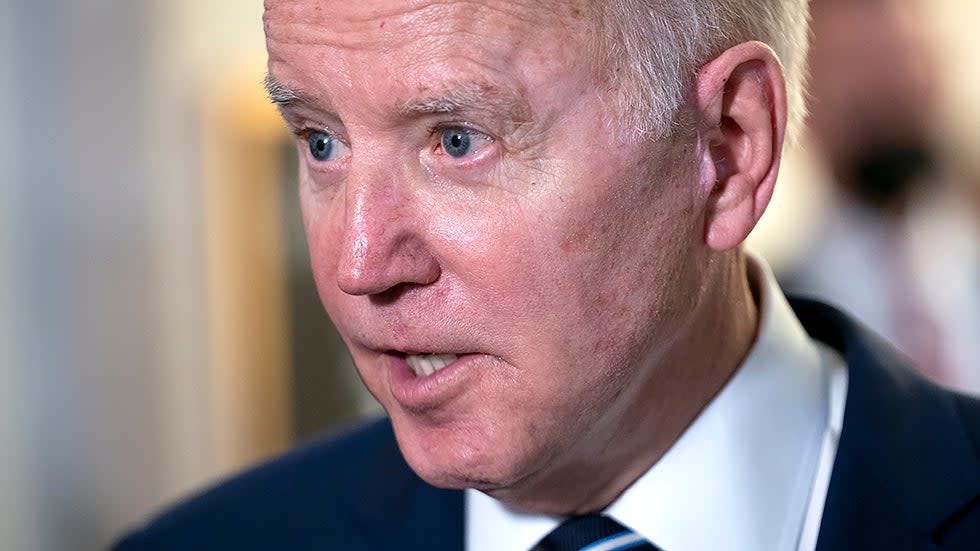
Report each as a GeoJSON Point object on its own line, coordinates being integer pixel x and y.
{"type": "Point", "coordinates": [968, 408]}
{"type": "Point", "coordinates": [962, 530]}
{"type": "Point", "coordinates": [288, 497]}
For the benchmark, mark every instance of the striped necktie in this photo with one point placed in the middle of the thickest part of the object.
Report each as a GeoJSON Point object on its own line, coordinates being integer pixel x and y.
{"type": "Point", "coordinates": [593, 533]}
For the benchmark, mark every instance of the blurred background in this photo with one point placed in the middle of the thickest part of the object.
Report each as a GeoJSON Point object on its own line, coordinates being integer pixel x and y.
{"type": "Point", "coordinates": [158, 324]}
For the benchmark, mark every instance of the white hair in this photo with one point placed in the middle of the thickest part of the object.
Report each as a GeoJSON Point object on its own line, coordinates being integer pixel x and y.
{"type": "Point", "coordinates": [654, 49]}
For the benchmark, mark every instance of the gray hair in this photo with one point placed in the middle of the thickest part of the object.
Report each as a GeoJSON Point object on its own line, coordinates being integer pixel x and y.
{"type": "Point", "coordinates": [654, 48]}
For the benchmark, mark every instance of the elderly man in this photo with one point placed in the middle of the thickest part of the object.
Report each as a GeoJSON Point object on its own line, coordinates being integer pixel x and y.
{"type": "Point", "coordinates": [525, 220]}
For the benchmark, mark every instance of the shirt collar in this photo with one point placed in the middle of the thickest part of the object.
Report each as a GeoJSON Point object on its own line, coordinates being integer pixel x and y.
{"type": "Point", "coordinates": [740, 476]}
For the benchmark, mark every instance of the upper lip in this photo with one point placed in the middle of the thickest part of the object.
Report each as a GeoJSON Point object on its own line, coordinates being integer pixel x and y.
{"type": "Point", "coordinates": [413, 351]}
{"type": "Point", "coordinates": [383, 340]}
{"type": "Point", "coordinates": [408, 347]}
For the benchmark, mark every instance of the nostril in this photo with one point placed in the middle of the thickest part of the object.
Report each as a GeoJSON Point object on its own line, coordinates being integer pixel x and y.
{"type": "Point", "coordinates": [385, 259]}
{"type": "Point", "coordinates": [389, 281]}
{"type": "Point", "coordinates": [388, 276]}
{"type": "Point", "coordinates": [393, 294]}
{"type": "Point", "coordinates": [357, 282]}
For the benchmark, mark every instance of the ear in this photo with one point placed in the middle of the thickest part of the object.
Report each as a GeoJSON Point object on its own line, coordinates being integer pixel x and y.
{"type": "Point", "coordinates": [741, 101]}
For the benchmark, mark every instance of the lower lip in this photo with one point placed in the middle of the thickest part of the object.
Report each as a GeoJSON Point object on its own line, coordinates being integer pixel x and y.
{"type": "Point", "coordinates": [419, 394]}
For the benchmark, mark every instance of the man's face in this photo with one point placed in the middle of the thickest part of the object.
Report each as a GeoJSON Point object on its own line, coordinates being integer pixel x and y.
{"type": "Point", "coordinates": [872, 74]}
{"type": "Point", "coordinates": [466, 195]}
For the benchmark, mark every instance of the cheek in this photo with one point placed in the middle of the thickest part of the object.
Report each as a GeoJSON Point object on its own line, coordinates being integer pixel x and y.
{"type": "Point", "coordinates": [619, 262]}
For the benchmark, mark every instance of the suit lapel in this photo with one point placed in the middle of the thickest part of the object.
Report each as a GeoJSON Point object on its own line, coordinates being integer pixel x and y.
{"type": "Point", "coordinates": [424, 519]}
{"type": "Point", "coordinates": [904, 462]}
{"type": "Point", "coordinates": [398, 510]}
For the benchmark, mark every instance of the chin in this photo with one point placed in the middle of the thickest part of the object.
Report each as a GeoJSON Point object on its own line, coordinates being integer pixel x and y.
{"type": "Point", "coordinates": [460, 459]}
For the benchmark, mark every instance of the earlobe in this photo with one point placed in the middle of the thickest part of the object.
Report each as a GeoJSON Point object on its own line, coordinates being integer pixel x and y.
{"type": "Point", "coordinates": [741, 99]}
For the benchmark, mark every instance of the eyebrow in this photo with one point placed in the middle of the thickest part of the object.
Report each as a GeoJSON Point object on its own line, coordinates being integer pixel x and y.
{"type": "Point", "coordinates": [469, 96]}
{"type": "Point", "coordinates": [280, 94]}
{"type": "Point", "coordinates": [463, 97]}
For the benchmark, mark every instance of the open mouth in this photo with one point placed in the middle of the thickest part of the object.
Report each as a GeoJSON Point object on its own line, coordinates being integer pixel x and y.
{"type": "Point", "coordinates": [427, 364]}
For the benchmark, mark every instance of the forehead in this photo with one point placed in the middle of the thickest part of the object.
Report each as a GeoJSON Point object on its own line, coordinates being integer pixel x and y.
{"type": "Point", "coordinates": [411, 42]}
{"type": "Point", "coordinates": [388, 25]}
{"type": "Point", "coordinates": [381, 21]}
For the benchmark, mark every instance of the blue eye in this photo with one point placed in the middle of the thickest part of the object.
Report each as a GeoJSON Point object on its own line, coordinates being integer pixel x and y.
{"type": "Point", "coordinates": [321, 145]}
{"type": "Point", "coordinates": [460, 142]}
{"type": "Point", "coordinates": [456, 142]}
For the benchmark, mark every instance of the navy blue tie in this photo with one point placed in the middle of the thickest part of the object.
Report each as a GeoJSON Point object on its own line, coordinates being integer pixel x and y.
{"type": "Point", "coordinates": [593, 533]}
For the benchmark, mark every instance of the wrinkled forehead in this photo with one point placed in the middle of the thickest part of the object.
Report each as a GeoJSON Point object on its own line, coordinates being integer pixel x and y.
{"type": "Point", "coordinates": [354, 52]}
{"type": "Point", "coordinates": [378, 23]}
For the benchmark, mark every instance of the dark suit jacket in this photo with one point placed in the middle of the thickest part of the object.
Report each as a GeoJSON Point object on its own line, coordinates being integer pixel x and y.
{"type": "Point", "coordinates": [906, 477]}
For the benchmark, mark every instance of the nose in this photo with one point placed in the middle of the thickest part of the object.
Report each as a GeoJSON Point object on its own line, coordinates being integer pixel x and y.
{"type": "Point", "coordinates": [384, 244]}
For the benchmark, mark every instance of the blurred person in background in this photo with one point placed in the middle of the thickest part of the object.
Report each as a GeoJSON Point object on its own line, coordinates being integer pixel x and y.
{"type": "Point", "coordinates": [898, 244]}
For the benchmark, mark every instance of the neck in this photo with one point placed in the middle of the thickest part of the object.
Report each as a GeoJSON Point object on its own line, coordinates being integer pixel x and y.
{"type": "Point", "coordinates": [662, 402]}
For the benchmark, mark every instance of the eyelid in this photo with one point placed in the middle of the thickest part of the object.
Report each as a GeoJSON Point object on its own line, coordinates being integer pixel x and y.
{"type": "Point", "coordinates": [439, 129]}
{"type": "Point", "coordinates": [304, 132]}
{"type": "Point", "coordinates": [303, 128]}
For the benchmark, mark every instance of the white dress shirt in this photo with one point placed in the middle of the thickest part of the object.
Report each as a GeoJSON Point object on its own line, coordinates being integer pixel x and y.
{"type": "Point", "coordinates": [749, 474]}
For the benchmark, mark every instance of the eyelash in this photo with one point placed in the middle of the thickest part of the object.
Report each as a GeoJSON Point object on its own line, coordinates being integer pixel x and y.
{"type": "Point", "coordinates": [304, 132]}
{"type": "Point", "coordinates": [438, 128]}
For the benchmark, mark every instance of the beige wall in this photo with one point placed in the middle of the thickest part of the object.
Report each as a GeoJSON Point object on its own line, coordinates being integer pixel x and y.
{"type": "Point", "coordinates": [957, 27]}
{"type": "Point", "coordinates": [105, 388]}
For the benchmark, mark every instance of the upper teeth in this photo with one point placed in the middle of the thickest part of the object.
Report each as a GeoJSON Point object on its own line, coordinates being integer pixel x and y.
{"type": "Point", "coordinates": [427, 364]}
